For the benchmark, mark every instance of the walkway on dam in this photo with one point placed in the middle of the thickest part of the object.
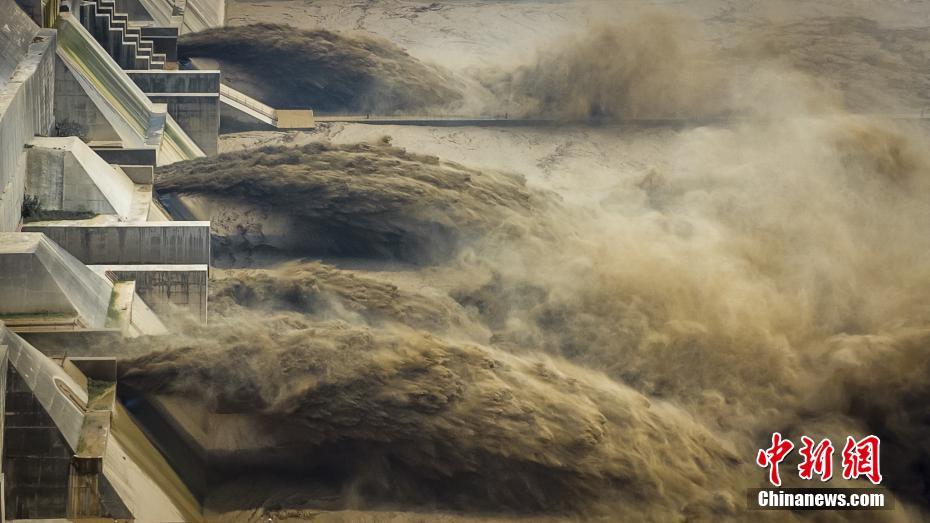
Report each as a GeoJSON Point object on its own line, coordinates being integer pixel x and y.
{"type": "Point", "coordinates": [503, 121]}
{"type": "Point", "coordinates": [434, 121]}
{"type": "Point", "coordinates": [305, 119]}
{"type": "Point", "coordinates": [277, 118]}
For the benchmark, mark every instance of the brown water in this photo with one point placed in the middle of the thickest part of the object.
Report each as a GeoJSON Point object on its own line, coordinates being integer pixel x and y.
{"type": "Point", "coordinates": [623, 359]}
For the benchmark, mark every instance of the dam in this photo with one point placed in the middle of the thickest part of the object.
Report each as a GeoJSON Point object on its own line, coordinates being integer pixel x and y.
{"type": "Point", "coordinates": [91, 101]}
{"type": "Point", "coordinates": [461, 261]}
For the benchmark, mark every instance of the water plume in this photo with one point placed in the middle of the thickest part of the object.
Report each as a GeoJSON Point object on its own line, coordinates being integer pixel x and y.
{"type": "Point", "coordinates": [327, 292]}
{"type": "Point", "coordinates": [330, 72]}
{"type": "Point", "coordinates": [654, 67]}
{"type": "Point", "coordinates": [368, 200]}
{"type": "Point", "coordinates": [416, 419]}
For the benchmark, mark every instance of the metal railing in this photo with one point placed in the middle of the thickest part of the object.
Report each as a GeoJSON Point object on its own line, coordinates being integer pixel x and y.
{"type": "Point", "coordinates": [412, 117]}
{"type": "Point", "coordinates": [247, 101]}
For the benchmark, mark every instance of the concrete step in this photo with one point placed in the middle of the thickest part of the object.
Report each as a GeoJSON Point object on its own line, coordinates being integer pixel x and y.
{"type": "Point", "coordinates": [140, 62]}
{"type": "Point", "coordinates": [124, 42]}
{"type": "Point", "coordinates": [143, 62]}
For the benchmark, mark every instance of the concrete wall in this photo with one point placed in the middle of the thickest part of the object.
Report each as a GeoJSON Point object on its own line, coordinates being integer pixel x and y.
{"type": "Point", "coordinates": [32, 8]}
{"type": "Point", "coordinates": [42, 12]}
{"type": "Point", "coordinates": [36, 458]}
{"type": "Point", "coordinates": [184, 243]}
{"type": "Point", "coordinates": [42, 429]}
{"type": "Point", "coordinates": [26, 110]}
{"type": "Point", "coordinates": [16, 35]}
{"type": "Point", "coordinates": [232, 120]}
{"type": "Point", "coordinates": [87, 293]}
{"type": "Point", "coordinates": [164, 40]}
{"type": "Point", "coordinates": [76, 114]}
{"type": "Point", "coordinates": [4, 365]}
{"type": "Point", "coordinates": [138, 121]}
{"type": "Point", "coordinates": [26, 287]}
{"type": "Point", "coordinates": [73, 343]}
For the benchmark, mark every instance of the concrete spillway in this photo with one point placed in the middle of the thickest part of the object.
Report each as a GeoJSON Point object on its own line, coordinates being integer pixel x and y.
{"type": "Point", "coordinates": [137, 121]}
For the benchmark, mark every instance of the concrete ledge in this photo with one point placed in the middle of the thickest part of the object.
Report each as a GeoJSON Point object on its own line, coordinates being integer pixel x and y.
{"type": "Point", "coordinates": [176, 81]}
{"type": "Point", "coordinates": [99, 243]}
{"type": "Point", "coordinates": [71, 343]}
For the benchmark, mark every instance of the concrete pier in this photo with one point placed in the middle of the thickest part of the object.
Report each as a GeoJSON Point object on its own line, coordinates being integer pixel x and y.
{"type": "Point", "coordinates": [81, 138]}
{"type": "Point", "coordinates": [71, 451]}
{"type": "Point", "coordinates": [163, 287]}
{"type": "Point", "coordinates": [192, 98]}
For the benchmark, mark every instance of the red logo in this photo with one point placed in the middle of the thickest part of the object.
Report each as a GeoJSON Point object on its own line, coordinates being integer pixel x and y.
{"type": "Point", "coordinates": [774, 455]}
{"type": "Point", "coordinates": [860, 458]}
{"type": "Point", "coordinates": [817, 460]}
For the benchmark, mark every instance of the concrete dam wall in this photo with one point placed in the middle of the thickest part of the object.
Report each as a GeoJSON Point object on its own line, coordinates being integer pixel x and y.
{"type": "Point", "coordinates": [26, 110]}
